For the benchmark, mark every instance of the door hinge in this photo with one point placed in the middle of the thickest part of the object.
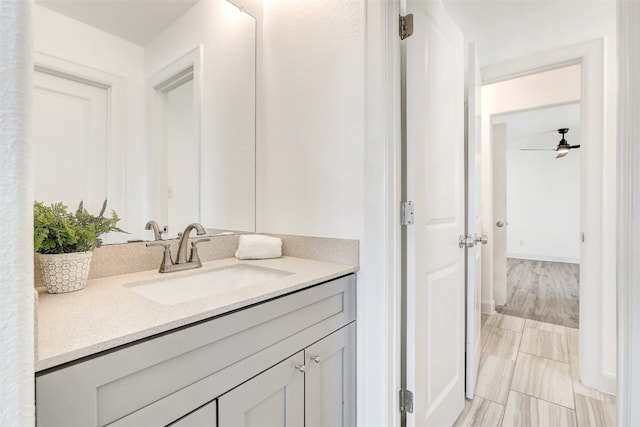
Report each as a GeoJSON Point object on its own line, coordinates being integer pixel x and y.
{"type": "Point", "coordinates": [406, 26]}
{"type": "Point", "coordinates": [406, 401]}
{"type": "Point", "coordinates": [582, 237]}
{"type": "Point", "coordinates": [406, 213]}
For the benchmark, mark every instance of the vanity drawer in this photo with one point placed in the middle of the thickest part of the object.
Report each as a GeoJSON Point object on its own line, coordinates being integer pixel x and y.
{"type": "Point", "coordinates": [224, 351]}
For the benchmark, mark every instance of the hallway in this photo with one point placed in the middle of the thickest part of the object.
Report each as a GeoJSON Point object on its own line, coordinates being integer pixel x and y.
{"type": "Point", "coordinates": [544, 291]}
{"type": "Point", "coordinates": [529, 377]}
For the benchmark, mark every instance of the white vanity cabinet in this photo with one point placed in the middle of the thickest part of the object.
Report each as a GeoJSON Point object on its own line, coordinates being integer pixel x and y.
{"type": "Point", "coordinates": [312, 388]}
{"type": "Point", "coordinates": [207, 416]}
{"type": "Point", "coordinates": [330, 388]}
{"type": "Point", "coordinates": [275, 398]}
{"type": "Point", "coordinates": [209, 373]}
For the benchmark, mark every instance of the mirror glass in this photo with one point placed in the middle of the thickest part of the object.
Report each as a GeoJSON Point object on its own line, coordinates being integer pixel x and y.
{"type": "Point", "coordinates": [151, 105]}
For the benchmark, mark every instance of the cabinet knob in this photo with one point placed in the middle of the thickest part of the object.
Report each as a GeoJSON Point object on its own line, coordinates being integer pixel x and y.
{"type": "Point", "coordinates": [300, 367]}
{"type": "Point", "coordinates": [315, 358]}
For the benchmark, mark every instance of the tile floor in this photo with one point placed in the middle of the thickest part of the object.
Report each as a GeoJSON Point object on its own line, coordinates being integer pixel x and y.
{"type": "Point", "coordinates": [528, 377]}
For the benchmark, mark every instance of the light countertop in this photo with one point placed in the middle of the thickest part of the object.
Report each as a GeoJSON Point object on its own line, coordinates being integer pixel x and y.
{"type": "Point", "coordinates": [106, 314]}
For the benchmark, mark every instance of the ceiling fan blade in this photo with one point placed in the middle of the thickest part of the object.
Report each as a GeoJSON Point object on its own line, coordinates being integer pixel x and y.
{"type": "Point", "coordinates": [562, 154]}
{"type": "Point", "coordinates": [574, 146]}
{"type": "Point", "coordinates": [537, 149]}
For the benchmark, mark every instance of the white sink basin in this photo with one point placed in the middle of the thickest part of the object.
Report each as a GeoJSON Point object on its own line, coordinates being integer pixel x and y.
{"type": "Point", "coordinates": [187, 288]}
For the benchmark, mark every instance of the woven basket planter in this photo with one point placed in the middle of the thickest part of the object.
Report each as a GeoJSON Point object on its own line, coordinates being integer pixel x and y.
{"type": "Point", "coordinates": [65, 272]}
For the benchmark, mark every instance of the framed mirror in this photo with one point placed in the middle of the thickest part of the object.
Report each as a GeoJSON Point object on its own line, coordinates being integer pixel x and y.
{"type": "Point", "coordinates": [151, 105]}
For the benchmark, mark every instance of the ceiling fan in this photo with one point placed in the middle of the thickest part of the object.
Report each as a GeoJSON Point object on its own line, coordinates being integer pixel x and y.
{"type": "Point", "coordinates": [563, 146]}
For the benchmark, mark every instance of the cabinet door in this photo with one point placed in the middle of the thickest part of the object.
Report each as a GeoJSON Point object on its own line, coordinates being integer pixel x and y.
{"type": "Point", "coordinates": [275, 398]}
{"type": "Point", "coordinates": [330, 388]}
{"type": "Point", "coordinates": [205, 416]}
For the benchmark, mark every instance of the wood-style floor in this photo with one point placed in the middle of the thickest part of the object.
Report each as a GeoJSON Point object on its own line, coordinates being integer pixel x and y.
{"type": "Point", "coordinates": [528, 377]}
{"type": "Point", "coordinates": [543, 291]}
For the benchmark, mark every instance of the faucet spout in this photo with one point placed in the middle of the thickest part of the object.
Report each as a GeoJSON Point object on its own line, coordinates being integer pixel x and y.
{"type": "Point", "coordinates": [181, 258]}
{"type": "Point", "coordinates": [152, 225]}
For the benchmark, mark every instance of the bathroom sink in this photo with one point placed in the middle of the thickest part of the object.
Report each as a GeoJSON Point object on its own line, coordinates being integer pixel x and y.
{"type": "Point", "coordinates": [203, 284]}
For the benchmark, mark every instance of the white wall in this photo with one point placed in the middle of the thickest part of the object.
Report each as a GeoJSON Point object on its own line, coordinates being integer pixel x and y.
{"type": "Point", "coordinates": [228, 127]}
{"type": "Point", "coordinates": [543, 202]}
{"type": "Point", "coordinates": [17, 406]}
{"type": "Point", "coordinates": [318, 173]}
{"type": "Point", "coordinates": [60, 37]}
{"type": "Point", "coordinates": [560, 86]}
{"type": "Point", "coordinates": [310, 153]}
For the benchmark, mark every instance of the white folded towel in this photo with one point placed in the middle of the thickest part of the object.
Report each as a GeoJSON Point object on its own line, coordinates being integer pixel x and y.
{"type": "Point", "coordinates": [257, 246]}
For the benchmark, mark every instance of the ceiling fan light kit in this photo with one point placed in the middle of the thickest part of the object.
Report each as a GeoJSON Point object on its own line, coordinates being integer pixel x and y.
{"type": "Point", "coordinates": [563, 147]}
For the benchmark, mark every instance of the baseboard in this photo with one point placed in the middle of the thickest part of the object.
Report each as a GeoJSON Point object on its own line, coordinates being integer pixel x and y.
{"type": "Point", "coordinates": [604, 382]}
{"type": "Point", "coordinates": [488, 307]}
{"type": "Point", "coordinates": [609, 383]}
{"type": "Point", "coordinates": [544, 258]}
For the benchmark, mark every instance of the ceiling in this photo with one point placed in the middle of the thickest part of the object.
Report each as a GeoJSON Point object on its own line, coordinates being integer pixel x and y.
{"type": "Point", "coordinates": [507, 29]}
{"type": "Point", "coordinates": [138, 21]}
{"type": "Point", "coordinates": [539, 128]}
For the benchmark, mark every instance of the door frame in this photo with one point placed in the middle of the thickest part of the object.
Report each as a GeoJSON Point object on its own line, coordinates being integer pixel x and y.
{"type": "Point", "coordinates": [378, 326]}
{"type": "Point", "coordinates": [186, 68]}
{"type": "Point", "coordinates": [628, 232]}
{"type": "Point", "coordinates": [591, 57]}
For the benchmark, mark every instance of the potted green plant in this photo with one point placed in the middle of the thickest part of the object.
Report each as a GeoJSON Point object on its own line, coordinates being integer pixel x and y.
{"type": "Point", "coordinates": [64, 243]}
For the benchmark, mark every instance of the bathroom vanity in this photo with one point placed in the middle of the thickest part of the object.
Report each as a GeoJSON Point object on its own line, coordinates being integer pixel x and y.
{"type": "Point", "coordinates": [272, 354]}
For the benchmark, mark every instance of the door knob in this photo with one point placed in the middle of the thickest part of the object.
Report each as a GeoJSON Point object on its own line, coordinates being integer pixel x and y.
{"type": "Point", "coordinates": [466, 241]}
{"type": "Point", "coordinates": [500, 224]}
{"type": "Point", "coordinates": [482, 239]}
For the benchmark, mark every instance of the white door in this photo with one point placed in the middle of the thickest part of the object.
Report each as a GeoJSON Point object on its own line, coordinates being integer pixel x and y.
{"type": "Point", "coordinates": [499, 143]}
{"type": "Point", "coordinates": [70, 134]}
{"type": "Point", "coordinates": [474, 220]}
{"type": "Point", "coordinates": [435, 183]}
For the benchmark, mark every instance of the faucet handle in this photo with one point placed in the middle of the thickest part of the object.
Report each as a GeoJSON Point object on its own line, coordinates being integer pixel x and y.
{"type": "Point", "coordinates": [194, 250]}
{"type": "Point", "coordinates": [167, 261]}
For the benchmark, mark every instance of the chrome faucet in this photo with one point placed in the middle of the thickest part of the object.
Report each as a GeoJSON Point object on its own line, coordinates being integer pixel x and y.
{"type": "Point", "coordinates": [182, 263]}
{"type": "Point", "coordinates": [152, 225]}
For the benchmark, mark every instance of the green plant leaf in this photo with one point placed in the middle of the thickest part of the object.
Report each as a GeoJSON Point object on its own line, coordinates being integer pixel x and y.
{"type": "Point", "coordinates": [57, 231]}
